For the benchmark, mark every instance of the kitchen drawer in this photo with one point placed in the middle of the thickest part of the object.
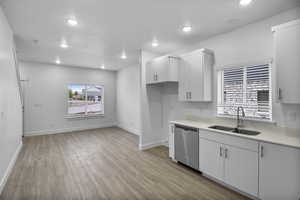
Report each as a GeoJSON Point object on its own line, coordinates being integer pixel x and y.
{"type": "Point", "coordinates": [230, 140]}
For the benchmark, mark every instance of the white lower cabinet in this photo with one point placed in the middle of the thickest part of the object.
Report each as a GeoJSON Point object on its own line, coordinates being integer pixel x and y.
{"type": "Point", "coordinates": [211, 160]}
{"type": "Point", "coordinates": [241, 169]}
{"type": "Point", "coordinates": [171, 140]}
{"type": "Point", "coordinates": [232, 165]}
{"type": "Point", "coordinates": [279, 176]}
{"type": "Point", "coordinates": [264, 170]}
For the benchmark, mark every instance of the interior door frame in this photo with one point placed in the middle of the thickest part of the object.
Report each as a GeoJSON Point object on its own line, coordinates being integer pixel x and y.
{"type": "Point", "coordinates": [21, 90]}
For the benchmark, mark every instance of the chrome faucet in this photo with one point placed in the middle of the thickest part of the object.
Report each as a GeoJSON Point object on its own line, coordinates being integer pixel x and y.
{"type": "Point", "coordinates": [239, 122]}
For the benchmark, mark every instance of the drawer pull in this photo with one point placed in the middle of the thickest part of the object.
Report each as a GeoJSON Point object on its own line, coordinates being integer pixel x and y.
{"type": "Point", "coordinates": [226, 153]}
{"type": "Point", "coordinates": [221, 152]}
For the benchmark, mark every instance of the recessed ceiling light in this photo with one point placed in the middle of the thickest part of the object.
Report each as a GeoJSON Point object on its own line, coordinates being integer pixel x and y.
{"type": "Point", "coordinates": [57, 61]}
{"type": "Point", "coordinates": [187, 29]}
{"type": "Point", "coordinates": [72, 22]}
{"type": "Point", "coordinates": [102, 66]}
{"type": "Point", "coordinates": [64, 45]}
{"type": "Point", "coordinates": [245, 2]}
{"type": "Point", "coordinates": [154, 43]}
{"type": "Point", "coordinates": [123, 56]}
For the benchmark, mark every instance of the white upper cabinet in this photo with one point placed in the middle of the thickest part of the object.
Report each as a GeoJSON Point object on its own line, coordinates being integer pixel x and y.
{"type": "Point", "coordinates": [279, 169]}
{"type": "Point", "coordinates": [195, 76]}
{"type": "Point", "coordinates": [162, 69]}
{"type": "Point", "coordinates": [287, 61]}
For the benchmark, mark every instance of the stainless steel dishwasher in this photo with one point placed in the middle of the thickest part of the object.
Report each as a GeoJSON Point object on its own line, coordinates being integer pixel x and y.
{"type": "Point", "coordinates": [186, 143]}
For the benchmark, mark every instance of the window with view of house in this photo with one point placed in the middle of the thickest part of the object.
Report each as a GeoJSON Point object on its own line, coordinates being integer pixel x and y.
{"type": "Point", "coordinates": [249, 87]}
{"type": "Point", "coordinates": [85, 99]}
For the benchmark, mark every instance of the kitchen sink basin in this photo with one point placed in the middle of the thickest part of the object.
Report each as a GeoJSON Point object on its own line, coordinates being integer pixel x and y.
{"type": "Point", "coordinates": [222, 128]}
{"type": "Point", "coordinates": [245, 131]}
{"type": "Point", "coordinates": [235, 130]}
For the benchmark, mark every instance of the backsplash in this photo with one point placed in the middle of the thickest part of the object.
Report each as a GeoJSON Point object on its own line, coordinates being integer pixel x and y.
{"type": "Point", "coordinates": [287, 116]}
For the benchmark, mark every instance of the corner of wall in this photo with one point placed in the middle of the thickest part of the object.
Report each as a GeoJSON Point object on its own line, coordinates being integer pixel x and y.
{"type": "Point", "coordinates": [10, 167]}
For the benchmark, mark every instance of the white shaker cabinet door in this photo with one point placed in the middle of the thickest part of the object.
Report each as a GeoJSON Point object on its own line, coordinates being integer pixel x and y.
{"type": "Point", "coordinates": [241, 169]}
{"type": "Point", "coordinates": [279, 176]}
{"type": "Point", "coordinates": [162, 69]}
{"type": "Point", "coordinates": [211, 160]}
{"type": "Point", "coordinates": [287, 62]}
{"type": "Point", "coordinates": [184, 78]}
{"type": "Point", "coordinates": [195, 76]}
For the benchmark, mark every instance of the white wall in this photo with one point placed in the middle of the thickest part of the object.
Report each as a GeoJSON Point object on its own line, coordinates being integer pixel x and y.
{"type": "Point", "coordinates": [151, 107]}
{"type": "Point", "coordinates": [250, 44]}
{"type": "Point", "coordinates": [128, 99]}
{"type": "Point", "coordinates": [46, 94]}
{"type": "Point", "coordinates": [10, 104]}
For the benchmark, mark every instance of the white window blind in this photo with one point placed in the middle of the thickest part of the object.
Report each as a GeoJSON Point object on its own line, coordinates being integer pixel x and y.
{"type": "Point", "coordinates": [249, 87]}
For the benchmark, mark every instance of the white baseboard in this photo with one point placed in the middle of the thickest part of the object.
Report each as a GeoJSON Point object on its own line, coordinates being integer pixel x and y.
{"type": "Point", "coordinates": [153, 144]}
{"type": "Point", "coordinates": [166, 144]}
{"type": "Point", "coordinates": [65, 130]}
{"type": "Point", "coordinates": [10, 167]}
{"type": "Point", "coordinates": [130, 129]}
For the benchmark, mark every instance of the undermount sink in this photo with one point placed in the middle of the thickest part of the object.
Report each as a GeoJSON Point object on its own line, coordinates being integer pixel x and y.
{"type": "Point", "coordinates": [245, 131]}
{"type": "Point", "coordinates": [235, 130]}
{"type": "Point", "coordinates": [222, 128]}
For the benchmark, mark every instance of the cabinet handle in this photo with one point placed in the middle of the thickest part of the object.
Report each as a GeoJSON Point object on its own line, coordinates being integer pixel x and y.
{"type": "Point", "coordinates": [226, 153]}
{"type": "Point", "coordinates": [279, 94]}
{"type": "Point", "coordinates": [221, 151]}
{"type": "Point", "coordinates": [261, 151]}
{"type": "Point", "coordinates": [186, 95]}
{"type": "Point", "coordinates": [155, 77]}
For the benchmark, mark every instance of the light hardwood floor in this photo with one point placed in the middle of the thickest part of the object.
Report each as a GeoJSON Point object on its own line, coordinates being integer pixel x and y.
{"type": "Point", "coordinates": [103, 164]}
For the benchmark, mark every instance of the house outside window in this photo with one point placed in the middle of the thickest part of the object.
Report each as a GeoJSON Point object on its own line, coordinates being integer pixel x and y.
{"type": "Point", "coordinates": [246, 86]}
{"type": "Point", "coordinates": [85, 99]}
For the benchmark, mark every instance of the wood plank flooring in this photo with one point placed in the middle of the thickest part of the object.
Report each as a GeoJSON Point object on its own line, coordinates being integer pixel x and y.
{"type": "Point", "coordinates": [103, 164]}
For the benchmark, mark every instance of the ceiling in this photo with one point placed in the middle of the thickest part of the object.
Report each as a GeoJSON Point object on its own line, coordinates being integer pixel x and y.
{"type": "Point", "coordinates": [108, 27]}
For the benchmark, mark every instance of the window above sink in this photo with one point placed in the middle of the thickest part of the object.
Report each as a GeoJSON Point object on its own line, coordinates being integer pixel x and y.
{"type": "Point", "coordinates": [248, 87]}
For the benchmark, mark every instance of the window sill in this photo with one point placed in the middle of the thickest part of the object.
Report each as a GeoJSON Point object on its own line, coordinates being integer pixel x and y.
{"type": "Point", "coordinates": [246, 119]}
{"type": "Point", "coordinates": [83, 116]}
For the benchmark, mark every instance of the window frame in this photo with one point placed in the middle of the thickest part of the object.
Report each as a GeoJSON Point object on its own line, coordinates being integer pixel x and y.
{"type": "Point", "coordinates": [220, 90]}
{"type": "Point", "coordinates": [86, 114]}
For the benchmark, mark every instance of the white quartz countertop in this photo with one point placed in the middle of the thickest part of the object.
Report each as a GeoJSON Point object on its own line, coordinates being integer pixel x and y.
{"type": "Point", "coordinates": [270, 134]}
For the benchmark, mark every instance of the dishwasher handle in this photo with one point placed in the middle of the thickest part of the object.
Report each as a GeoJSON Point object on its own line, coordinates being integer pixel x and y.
{"type": "Point", "coordinates": [186, 128]}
